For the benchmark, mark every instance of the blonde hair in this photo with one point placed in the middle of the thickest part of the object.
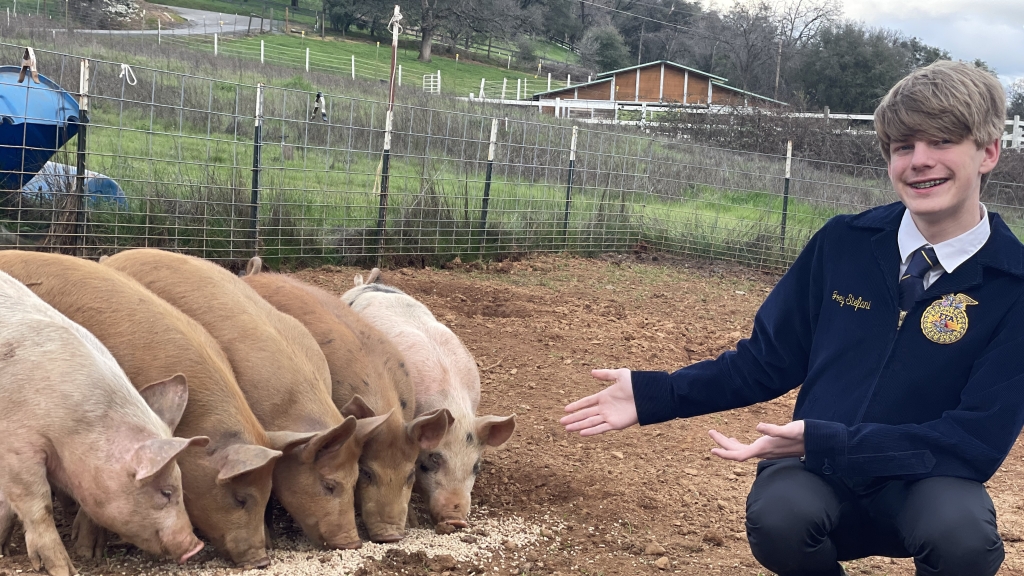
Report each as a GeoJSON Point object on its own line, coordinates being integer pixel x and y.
{"type": "Point", "coordinates": [944, 100]}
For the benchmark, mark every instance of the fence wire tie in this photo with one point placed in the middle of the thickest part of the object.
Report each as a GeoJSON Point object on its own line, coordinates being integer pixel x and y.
{"type": "Point", "coordinates": [128, 74]}
{"type": "Point", "coordinates": [395, 23]}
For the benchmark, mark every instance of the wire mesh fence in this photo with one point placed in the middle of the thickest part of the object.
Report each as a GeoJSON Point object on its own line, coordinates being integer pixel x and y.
{"type": "Point", "coordinates": [175, 160]}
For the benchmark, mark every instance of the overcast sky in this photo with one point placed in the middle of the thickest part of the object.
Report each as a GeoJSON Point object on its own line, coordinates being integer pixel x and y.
{"type": "Point", "coordinates": [992, 30]}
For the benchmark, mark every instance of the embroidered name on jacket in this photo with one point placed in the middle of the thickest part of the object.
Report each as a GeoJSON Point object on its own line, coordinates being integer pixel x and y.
{"type": "Point", "coordinates": [849, 300]}
{"type": "Point", "coordinates": [945, 321]}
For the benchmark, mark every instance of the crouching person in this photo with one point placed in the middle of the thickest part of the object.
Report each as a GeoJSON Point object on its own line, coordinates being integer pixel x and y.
{"type": "Point", "coordinates": [909, 403]}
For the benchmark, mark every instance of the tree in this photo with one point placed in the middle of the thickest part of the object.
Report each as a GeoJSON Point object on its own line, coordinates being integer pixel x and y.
{"type": "Point", "coordinates": [979, 63]}
{"type": "Point", "coordinates": [800, 21]}
{"type": "Point", "coordinates": [749, 44]}
{"type": "Point", "coordinates": [343, 14]}
{"type": "Point", "coordinates": [603, 49]}
{"type": "Point", "coordinates": [849, 68]}
{"type": "Point", "coordinates": [922, 54]}
{"type": "Point", "coordinates": [1015, 98]}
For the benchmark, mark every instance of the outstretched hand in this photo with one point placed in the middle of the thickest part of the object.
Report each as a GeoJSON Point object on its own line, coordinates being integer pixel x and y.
{"type": "Point", "coordinates": [609, 409]}
{"type": "Point", "coordinates": [778, 442]}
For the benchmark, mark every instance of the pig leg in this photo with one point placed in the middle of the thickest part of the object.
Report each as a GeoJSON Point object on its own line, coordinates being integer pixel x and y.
{"type": "Point", "coordinates": [90, 538]}
{"type": "Point", "coordinates": [268, 524]}
{"type": "Point", "coordinates": [7, 522]}
{"type": "Point", "coordinates": [67, 503]}
{"type": "Point", "coordinates": [414, 521]}
{"type": "Point", "coordinates": [28, 492]}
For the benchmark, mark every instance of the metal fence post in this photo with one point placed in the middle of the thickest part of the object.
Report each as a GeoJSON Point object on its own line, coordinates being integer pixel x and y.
{"type": "Point", "coordinates": [785, 194]}
{"type": "Point", "coordinates": [385, 165]}
{"type": "Point", "coordinates": [83, 106]}
{"type": "Point", "coordinates": [487, 181]}
{"type": "Point", "coordinates": [385, 173]}
{"type": "Point", "coordinates": [568, 184]}
{"type": "Point", "coordinates": [257, 145]}
{"type": "Point", "coordinates": [1016, 132]}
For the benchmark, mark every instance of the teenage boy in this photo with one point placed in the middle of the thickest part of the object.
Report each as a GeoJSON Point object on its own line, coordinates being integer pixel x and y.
{"type": "Point", "coordinates": [905, 326]}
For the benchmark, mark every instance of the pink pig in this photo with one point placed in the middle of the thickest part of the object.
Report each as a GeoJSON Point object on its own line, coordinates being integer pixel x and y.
{"type": "Point", "coordinates": [71, 419]}
{"type": "Point", "coordinates": [444, 376]}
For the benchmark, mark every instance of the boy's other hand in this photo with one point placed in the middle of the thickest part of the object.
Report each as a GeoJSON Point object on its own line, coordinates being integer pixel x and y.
{"type": "Point", "coordinates": [778, 442]}
{"type": "Point", "coordinates": [609, 409]}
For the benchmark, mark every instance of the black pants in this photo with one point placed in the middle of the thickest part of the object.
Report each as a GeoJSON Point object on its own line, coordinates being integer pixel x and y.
{"type": "Point", "coordinates": [802, 524]}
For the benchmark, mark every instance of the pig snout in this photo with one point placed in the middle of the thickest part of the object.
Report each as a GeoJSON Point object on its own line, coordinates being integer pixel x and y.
{"type": "Point", "coordinates": [381, 532]}
{"type": "Point", "coordinates": [349, 541]}
{"type": "Point", "coordinates": [344, 538]}
{"type": "Point", "coordinates": [193, 548]}
{"type": "Point", "coordinates": [260, 562]}
{"type": "Point", "coordinates": [245, 556]}
{"type": "Point", "coordinates": [450, 509]}
{"type": "Point", "coordinates": [384, 520]}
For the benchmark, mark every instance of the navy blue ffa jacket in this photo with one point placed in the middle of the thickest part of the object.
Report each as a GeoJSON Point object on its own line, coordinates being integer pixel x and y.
{"type": "Point", "coordinates": [941, 395]}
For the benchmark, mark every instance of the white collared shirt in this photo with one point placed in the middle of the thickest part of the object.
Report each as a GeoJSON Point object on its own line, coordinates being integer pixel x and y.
{"type": "Point", "coordinates": [951, 253]}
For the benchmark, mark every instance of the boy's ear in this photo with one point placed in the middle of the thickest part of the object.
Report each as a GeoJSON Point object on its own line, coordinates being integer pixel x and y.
{"type": "Point", "coordinates": [992, 151]}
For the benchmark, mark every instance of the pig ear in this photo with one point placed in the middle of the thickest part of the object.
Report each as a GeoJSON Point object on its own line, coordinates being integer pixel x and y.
{"type": "Point", "coordinates": [104, 258]}
{"type": "Point", "coordinates": [239, 459]}
{"type": "Point", "coordinates": [374, 276]}
{"type": "Point", "coordinates": [155, 455]}
{"type": "Point", "coordinates": [495, 430]}
{"type": "Point", "coordinates": [255, 266]}
{"type": "Point", "coordinates": [167, 398]}
{"type": "Point", "coordinates": [329, 440]}
{"type": "Point", "coordinates": [357, 407]}
{"type": "Point", "coordinates": [428, 430]}
{"type": "Point", "coordinates": [288, 441]}
{"type": "Point", "coordinates": [368, 427]}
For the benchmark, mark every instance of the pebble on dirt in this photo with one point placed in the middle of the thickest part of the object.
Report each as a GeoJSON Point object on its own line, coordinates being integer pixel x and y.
{"type": "Point", "coordinates": [662, 563]}
{"type": "Point", "coordinates": [714, 538]}
{"type": "Point", "coordinates": [654, 549]}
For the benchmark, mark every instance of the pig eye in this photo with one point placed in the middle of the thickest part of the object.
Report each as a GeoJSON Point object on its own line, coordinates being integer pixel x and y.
{"type": "Point", "coordinates": [476, 468]}
{"type": "Point", "coordinates": [431, 463]}
{"type": "Point", "coordinates": [329, 487]}
{"type": "Point", "coordinates": [241, 501]}
{"type": "Point", "coordinates": [166, 494]}
{"type": "Point", "coordinates": [365, 475]}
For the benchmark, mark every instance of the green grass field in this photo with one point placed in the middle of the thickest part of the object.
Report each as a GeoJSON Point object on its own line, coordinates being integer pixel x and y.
{"type": "Point", "coordinates": [334, 56]}
{"type": "Point", "coordinates": [304, 19]}
{"type": "Point", "coordinates": [191, 192]}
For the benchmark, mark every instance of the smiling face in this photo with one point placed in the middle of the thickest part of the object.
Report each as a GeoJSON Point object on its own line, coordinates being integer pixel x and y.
{"type": "Point", "coordinates": [939, 181]}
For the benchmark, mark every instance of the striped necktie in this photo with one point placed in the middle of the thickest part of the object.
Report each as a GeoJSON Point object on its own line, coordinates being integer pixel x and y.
{"type": "Point", "coordinates": [912, 281]}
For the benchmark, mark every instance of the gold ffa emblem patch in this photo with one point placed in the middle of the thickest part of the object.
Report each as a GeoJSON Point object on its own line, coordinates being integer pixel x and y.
{"type": "Point", "coordinates": [945, 321]}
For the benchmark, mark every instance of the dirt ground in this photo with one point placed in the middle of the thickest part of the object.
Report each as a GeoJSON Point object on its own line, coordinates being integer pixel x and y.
{"type": "Point", "coordinates": [620, 502]}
